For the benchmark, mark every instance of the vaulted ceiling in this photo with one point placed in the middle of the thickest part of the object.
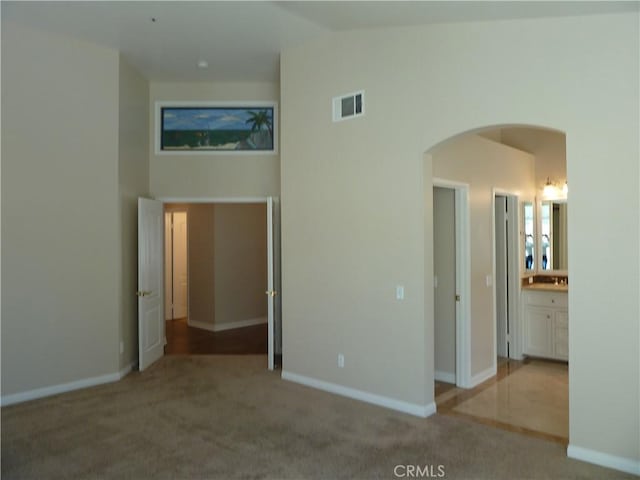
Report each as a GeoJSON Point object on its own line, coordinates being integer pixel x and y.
{"type": "Point", "coordinates": [242, 40]}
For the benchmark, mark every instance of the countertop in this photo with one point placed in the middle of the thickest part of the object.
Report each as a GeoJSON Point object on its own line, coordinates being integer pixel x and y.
{"type": "Point", "coordinates": [549, 287]}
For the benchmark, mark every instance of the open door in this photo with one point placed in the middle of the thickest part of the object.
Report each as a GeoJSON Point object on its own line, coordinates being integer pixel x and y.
{"type": "Point", "coordinates": [151, 335]}
{"type": "Point", "coordinates": [501, 275]}
{"type": "Point", "coordinates": [271, 288]}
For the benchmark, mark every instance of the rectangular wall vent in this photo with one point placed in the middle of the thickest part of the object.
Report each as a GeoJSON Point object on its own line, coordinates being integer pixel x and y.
{"type": "Point", "coordinates": [348, 106]}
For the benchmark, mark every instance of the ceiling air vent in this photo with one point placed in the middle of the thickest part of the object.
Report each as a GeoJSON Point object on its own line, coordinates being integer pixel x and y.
{"type": "Point", "coordinates": [348, 106]}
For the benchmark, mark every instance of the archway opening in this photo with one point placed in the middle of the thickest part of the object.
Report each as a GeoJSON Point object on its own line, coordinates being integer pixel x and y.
{"type": "Point", "coordinates": [499, 301]}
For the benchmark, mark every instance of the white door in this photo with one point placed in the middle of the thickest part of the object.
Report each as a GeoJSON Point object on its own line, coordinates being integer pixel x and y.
{"type": "Point", "coordinates": [179, 264]}
{"type": "Point", "coordinates": [444, 283]}
{"type": "Point", "coordinates": [168, 271]}
{"type": "Point", "coordinates": [501, 276]}
{"type": "Point", "coordinates": [271, 291]}
{"type": "Point", "coordinates": [151, 333]}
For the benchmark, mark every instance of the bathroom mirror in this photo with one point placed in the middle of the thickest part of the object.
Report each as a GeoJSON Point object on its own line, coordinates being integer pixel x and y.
{"type": "Point", "coordinates": [553, 235]}
{"type": "Point", "coordinates": [529, 244]}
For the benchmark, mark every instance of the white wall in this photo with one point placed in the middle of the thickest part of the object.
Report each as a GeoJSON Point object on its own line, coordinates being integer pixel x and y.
{"type": "Point", "coordinates": [60, 217]}
{"type": "Point", "coordinates": [201, 261]}
{"type": "Point", "coordinates": [549, 148]}
{"type": "Point", "coordinates": [133, 180]}
{"type": "Point", "coordinates": [212, 175]}
{"type": "Point", "coordinates": [483, 165]}
{"type": "Point", "coordinates": [240, 257]}
{"type": "Point", "coordinates": [227, 258]}
{"type": "Point", "coordinates": [354, 221]}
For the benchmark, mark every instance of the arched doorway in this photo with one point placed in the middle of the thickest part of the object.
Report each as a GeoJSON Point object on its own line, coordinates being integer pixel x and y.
{"type": "Point", "coordinates": [485, 178]}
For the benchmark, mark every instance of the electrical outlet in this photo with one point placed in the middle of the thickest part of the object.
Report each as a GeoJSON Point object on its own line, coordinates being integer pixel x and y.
{"type": "Point", "coordinates": [400, 292]}
{"type": "Point", "coordinates": [340, 360]}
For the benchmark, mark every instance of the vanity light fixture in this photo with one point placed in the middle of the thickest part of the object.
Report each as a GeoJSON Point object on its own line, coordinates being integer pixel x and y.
{"type": "Point", "coordinates": [549, 188]}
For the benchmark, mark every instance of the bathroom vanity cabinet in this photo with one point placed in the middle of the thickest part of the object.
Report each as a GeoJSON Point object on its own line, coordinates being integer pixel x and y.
{"type": "Point", "coordinates": [546, 323]}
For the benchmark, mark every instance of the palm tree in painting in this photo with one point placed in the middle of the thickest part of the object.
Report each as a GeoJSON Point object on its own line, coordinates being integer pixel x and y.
{"type": "Point", "coordinates": [260, 119]}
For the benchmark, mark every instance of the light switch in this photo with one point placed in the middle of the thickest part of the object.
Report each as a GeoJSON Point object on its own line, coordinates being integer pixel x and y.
{"type": "Point", "coordinates": [489, 280]}
{"type": "Point", "coordinates": [400, 292]}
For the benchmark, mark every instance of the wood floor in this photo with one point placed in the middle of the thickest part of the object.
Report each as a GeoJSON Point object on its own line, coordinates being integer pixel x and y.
{"type": "Point", "coordinates": [185, 340]}
{"type": "Point", "coordinates": [529, 397]}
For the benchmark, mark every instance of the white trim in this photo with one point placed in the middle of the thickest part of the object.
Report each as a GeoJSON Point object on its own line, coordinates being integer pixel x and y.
{"type": "Point", "coordinates": [220, 327]}
{"type": "Point", "coordinates": [622, 464]}
{"type": "Point", "coordinates": [446, 377]}
{"type": "Point", "coordinates": [259, 103]}
{"type": "Point", "coordinates": [270, 286]}
{"type": "Point", "coordinates": [463, 279]}
{"type": "Point", "coordinates": [443, 182]}
{"type": "Point", "coordinates": [213, 199]}
{"type": "Point", "coordinates": [14, 398]}
{"type": "Point", "coordinates": [483, 376]}
{"type": "Point", "coordinates": [127, 369]}
{"type": "Point", "coordinates": [391, 403]}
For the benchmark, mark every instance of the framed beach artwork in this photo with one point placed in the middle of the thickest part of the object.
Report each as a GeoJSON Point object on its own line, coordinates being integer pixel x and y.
{"type": "Point", "coordinates": [206, 128]}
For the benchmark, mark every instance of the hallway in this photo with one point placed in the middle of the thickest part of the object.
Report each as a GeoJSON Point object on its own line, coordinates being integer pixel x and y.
{"type": "Point", "coordinates": [530, 397]}
{"type": "Point", "coordinates": [185, 340]}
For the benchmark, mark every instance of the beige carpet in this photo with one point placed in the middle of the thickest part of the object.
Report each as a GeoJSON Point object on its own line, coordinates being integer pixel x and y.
{"type": "Point", "coordinates": [227, 417]}
{"type": "Point", "coordinates": [535, 396]}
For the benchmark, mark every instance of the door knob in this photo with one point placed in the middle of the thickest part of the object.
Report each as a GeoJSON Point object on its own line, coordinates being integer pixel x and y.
{"type": "Point", "coordinates": [143, 293]}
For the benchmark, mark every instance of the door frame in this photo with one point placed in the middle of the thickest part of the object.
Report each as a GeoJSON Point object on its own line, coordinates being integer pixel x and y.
{"type": "Point", "coordinates": [501, 255]}
{"type": "Point", "coordinates": [275, 327]}
{"type": "Point", "coordinates": [513, 272]}
{"type": "Point", "coordinates": [172, 211]}
{"type": "Point", "coordinates": [463, 278]}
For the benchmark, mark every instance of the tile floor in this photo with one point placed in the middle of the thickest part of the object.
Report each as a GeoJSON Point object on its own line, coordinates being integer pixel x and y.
{"type": "Point", "coordinates": [531, 397]}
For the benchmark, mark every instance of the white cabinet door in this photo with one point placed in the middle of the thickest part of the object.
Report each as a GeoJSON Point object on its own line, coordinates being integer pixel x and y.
{"type": "Point", "coordinates": [537, 324]}
{"type": "Point", "coordinates": [561, 335]}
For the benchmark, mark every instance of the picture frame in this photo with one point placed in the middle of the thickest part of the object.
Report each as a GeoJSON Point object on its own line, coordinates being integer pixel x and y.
{"type": "Point", "coordinates": [216, 128]}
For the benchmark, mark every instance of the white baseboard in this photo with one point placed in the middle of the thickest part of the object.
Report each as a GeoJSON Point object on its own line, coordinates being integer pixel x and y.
{"type": "Point", "coordinates": [445, 377]}
{"type": "Point", "coordinates": [392, 403]}
{"type": "Point", "coordinates": [485, 375]}
{"type": "Point", "coordinates": [627, 465]}
{"type": "Point", "coordinates": [219, 327]}
{"type": "Point", "coordinates": [128, 369]}
{"type": "Point", "coordinates": [14, 398]}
